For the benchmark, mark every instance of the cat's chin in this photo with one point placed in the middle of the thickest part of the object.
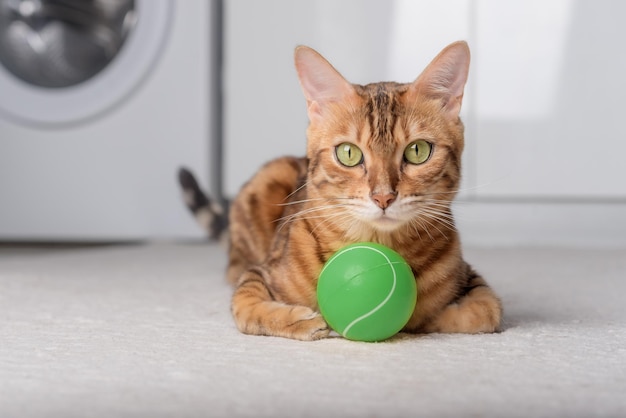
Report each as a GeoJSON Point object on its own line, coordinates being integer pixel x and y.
{"type": "Point", "coordinates": [385, 224]}
{"type": "Point", "coordinates": [379, 230]}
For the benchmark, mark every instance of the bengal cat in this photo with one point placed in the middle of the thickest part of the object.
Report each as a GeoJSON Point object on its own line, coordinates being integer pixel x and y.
{"type": "Point", "coordinates": [383, 164]}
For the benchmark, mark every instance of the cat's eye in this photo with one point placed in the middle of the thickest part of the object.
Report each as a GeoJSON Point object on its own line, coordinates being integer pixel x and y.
{"type": "Point", "coordinates": [418, 152]}
{"type": "Point", "coordinates": [349, 154]}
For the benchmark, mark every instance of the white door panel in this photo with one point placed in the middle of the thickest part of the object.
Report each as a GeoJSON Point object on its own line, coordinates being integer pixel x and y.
{"type": "Point", "coordinates": [550, 88]}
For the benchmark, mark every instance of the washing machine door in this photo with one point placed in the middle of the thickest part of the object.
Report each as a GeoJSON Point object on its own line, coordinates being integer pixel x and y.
{"type": "Point", "coordinates": [65, 61]}
{"type": "Point", "coordinates": [100, 102]}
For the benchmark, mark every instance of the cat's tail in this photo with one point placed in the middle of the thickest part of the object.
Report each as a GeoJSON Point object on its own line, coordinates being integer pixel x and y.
{"type": "Point", "coordinates": [211, 216]}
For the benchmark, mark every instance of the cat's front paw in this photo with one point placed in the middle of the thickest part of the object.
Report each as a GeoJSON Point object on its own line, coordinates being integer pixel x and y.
{"type": "Point", "coordinates": [480, 311]}
{"type": "Point", "coordinates": [307, 324]}
{"type": "Point", "coordinates": [279, 320]}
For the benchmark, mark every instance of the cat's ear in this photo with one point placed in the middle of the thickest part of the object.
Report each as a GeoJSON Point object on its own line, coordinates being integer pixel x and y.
{"type": "Point", "coordinates": [445, 78]}
{"type": "Point", "coordinates": [321, 83]}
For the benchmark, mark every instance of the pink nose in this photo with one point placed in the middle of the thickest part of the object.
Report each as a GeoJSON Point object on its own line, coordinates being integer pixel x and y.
{"type": "Point", "coordinates": [384, 200]}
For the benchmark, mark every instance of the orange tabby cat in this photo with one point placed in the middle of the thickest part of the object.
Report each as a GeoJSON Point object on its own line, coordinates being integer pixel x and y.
{"type": "Point", "coordinates": [383, 164]}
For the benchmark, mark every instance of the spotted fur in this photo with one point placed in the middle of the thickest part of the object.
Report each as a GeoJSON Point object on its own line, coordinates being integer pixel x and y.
{"type": "Point", "coordinates": [296, 212]}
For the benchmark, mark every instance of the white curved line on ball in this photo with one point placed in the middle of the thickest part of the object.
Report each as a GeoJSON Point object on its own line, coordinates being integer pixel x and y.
{"type": "Point", "coordinates": [381, 304]}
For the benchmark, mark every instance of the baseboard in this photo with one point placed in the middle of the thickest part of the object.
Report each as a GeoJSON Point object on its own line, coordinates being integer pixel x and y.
{"type": "Point", "coordinates": [493, 223]}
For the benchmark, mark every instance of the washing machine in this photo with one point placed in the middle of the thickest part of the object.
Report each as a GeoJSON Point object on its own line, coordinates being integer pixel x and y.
{"type": "Point", "coordinates": [100, 102]}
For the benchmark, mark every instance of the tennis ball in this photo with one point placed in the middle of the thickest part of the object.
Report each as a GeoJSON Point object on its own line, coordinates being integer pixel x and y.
{"type": "Point", "coordinates": [366, 292]}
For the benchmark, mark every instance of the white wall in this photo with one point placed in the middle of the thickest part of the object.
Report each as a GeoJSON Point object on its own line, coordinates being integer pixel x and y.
{"type": "Point", "coordinates": [543, 108]}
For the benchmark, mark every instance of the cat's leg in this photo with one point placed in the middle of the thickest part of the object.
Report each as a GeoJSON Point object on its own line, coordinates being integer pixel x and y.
{"type": "Point", "coordinates": [256, 312]}
{"type": "Point", "coordinates": [254, 218]}
{"type": "Point", "coordinates": [477, 310]}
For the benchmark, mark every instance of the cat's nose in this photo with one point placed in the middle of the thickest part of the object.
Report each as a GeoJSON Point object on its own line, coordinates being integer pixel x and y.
{"type": "Point", "coordinates": [383, 200]}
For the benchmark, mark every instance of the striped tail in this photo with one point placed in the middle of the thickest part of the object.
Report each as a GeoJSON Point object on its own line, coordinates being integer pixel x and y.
{"type": "Point", "coordinates": [211, 215]}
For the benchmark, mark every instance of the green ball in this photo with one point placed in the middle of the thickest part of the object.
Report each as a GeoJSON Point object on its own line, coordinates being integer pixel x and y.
{"type": "Point", "coordinates": [366, 292]}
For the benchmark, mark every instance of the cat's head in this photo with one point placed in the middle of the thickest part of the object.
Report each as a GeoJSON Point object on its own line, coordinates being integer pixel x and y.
{"type": "Point", "coordinates": [385, 155]}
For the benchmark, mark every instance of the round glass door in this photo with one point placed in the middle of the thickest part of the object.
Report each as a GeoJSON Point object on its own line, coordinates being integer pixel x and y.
{"type": "Point", "coordinates": [61, 43]}
{"type": "Point", "coordinates": [65, 61]}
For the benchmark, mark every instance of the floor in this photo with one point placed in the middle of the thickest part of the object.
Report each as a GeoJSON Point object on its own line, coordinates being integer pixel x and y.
{"type": "Point", "coordinates": [145, 330]}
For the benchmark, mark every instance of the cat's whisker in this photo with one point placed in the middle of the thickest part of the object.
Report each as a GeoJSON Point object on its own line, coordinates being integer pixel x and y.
{"type": "Point", "coordinates": [434, 210]}
{"type": "Point", "coordinates": [416, 228]}
{"type": "Point", "coordinates": [324, 220]}
{"type": "Point", "coordinates": [337, 218]}
{"type": "Point", "coordinates": [295, 202]}
{"type": "Point", "coordinates": [312, 209]}
{"type": "Point", "coordinates": [434, 225]}
{"type": "Point", "coordinates": [459, 190]}
{"type": "Point", "coordinates": [424, 199]}
{"type": "Point", "coordinates": [302, 214]}
{"type": "Point", "coordinates": [459, 209]}
{"type": "Point", "coordinates": [442, 219]}
{"type": "Point", "coordinates": [442, 212]}
{"type": "Point", "coordinates": [436, 204]}
{"type": "Point", "coordinates": [420, 225]}
{"type": "Point", "coordinates": [285, 220]}
{"type": "Point", "coordinates": [427, 229]}
{"type": "Point", "coordinates": [306, 183]}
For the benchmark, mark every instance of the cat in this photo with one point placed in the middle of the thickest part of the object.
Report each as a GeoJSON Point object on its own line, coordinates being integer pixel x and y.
{"type": "Point", "coordinates": [382, 164]}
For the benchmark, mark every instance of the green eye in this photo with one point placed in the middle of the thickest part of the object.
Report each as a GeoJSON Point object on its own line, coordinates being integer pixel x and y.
{"type": "Point", "coordinates": [349, 154]}
{"type": "Point", "coordinates": [418, 152]}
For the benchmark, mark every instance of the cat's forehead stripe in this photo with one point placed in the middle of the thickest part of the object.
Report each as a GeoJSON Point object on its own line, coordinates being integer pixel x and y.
{"type": "Point", "coordinates": [382, 115]}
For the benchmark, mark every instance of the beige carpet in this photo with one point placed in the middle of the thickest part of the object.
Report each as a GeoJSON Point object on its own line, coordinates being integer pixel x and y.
{"type": "Point", "coordinates": [145, 331]}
